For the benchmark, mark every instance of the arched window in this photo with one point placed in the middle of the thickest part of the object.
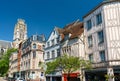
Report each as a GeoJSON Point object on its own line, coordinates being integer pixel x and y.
{"type": "Point", "coordinates": [34, 46]}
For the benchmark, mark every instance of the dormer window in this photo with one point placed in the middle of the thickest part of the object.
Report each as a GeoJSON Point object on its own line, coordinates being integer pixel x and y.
{"type": "Point", "coordinates": [34, 46]}
{"type": "Point", "coordinates": [34, 37]}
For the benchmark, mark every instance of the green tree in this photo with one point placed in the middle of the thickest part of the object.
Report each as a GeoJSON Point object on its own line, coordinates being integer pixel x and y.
{"type": "Point", "coordinates": [4, 62]}
{"type": "Point", "coordinates": [68, 65]}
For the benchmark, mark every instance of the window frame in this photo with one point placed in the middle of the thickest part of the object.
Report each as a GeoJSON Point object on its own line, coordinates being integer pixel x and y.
{"type": "Point", "coordinates": [89, 24]}
{"type": "Point", "coordinates": [48, 55]}
{"type": "Point", "coordinates": [58, 52]}
{"type": "Point", "coordinates": [99, 18]}
{"type": "Point", "coordinates": [48, 44]}
{"type": "Point", "coordinates": [52, 42]}
{"type": "Point", "coordinates": [90, 41]}
{"type": "Point", "coordinates": [34, 46]}
{"type": "Point", "coordinates": [91, 58]}
{"type": "Point", "coordinates": [100, 37]}
{"type": "Point", "coordinates": [53, 53]}
{"type": "Point", "coordinates": [102, 56]}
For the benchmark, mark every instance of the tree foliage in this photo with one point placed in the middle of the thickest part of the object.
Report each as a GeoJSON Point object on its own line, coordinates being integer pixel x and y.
{"type": "Point", "coordinates": [67, 64]}
{"type": "Point", "coordinates": [4, 61]}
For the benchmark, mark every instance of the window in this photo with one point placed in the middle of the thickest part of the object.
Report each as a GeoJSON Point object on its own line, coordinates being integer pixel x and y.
{"type": "Point", "coordinates": [91, 57]}
{"type": "Point", "coordinates": [52, 42]}
{"type": "Point", "coordinates": [53, 54]}
{"type": "Point", "coordinates": [34, 37]}
{"type": "Point", "coordinates": [34, 54]}
{"type": "Point", "coordinates": [99, 19]}
{"type": "Point", "coordinates": [102, 55]}
{"type": "Point", "coordinates": [58, 52]}
{"type": "Point", "coordinates": [38, 38]}
{"type": "Point", "coordinates": [100, 37]}
{"type": "Point", "coordinates": [48, 44]}
{"type": "Point", "coordinates": [48, 55]}
{"type": "Point", "coordinates": [29, 63]}
{"type": "Point", "coordinates": [26, 64]}
{"type": "Point", "coordinates": [57, 39]}
{"type": "Point", "coordinates": [89, 24]}
{"type": "Point", "coordinates": [34, 46]}
{"type": "Point", "coordinates": [90, 41]}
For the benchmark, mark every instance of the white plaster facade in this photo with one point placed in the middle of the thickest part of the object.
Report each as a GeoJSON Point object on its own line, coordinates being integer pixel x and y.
{"type": "Point", "coordinates": [52, 51]}
{"type": "Point", "coordinates": [50, 46]}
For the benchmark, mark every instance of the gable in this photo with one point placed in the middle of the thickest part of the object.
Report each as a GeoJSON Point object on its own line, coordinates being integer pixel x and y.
{"type": "Point", "coordinates": [54, 34]}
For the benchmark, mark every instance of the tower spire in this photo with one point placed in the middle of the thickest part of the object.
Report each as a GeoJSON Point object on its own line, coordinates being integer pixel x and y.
{"type": "Point", "coordinates": [20, 32]}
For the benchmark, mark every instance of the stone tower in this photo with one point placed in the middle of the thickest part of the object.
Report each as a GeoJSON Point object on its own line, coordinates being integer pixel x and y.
{"type": "Point", "coordinates": [20, 33]}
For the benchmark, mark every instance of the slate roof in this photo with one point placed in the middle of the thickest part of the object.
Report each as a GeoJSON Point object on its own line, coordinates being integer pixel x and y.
{"type": "Point", "coordinates": [5, 44]}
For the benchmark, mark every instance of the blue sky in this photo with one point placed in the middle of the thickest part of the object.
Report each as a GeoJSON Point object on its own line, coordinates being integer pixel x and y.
{"type": "Point", "coordinates": [41, 16]}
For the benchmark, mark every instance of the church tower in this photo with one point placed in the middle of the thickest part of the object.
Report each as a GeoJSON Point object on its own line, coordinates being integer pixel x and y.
{"type": "Point", "coordinates": [20, 33]}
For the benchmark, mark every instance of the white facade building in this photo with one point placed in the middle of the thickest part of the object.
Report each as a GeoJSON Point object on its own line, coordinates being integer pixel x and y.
{"type": "Point", "coordinates": [102, 32]}
{"type": "Point", "coordinates": [52, 51]}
